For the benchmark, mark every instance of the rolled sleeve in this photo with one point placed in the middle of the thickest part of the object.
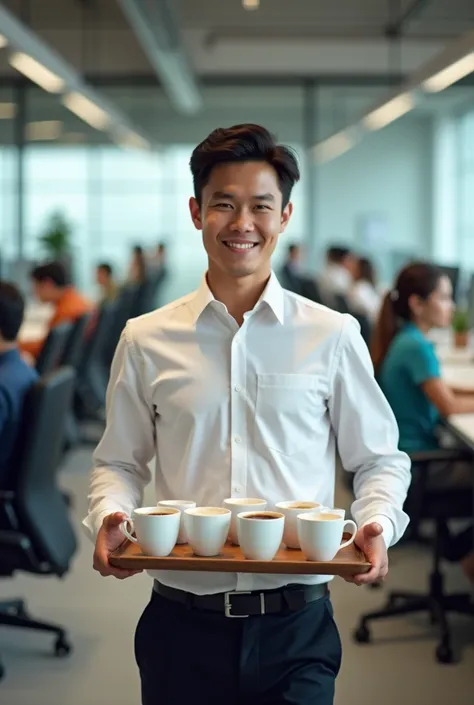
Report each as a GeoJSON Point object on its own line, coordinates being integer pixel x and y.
{"type": "Point", "coordinates": [367, 437]}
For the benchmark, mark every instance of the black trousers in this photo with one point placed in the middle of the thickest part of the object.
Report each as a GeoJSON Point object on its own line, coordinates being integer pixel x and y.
{"type": "Point", "coordinates": [187, 655]}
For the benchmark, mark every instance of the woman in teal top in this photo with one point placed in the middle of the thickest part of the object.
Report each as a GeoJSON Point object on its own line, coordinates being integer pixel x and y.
{"type": "Point", "coordinates": [408, 370]}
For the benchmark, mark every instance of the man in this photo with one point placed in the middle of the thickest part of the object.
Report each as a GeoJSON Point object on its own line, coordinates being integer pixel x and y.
{"type": "Point", "coordinates": [106, 282]}
{"type": "Point", "coordinates": [290, 272]}
{"type": "Point", "coordinates": [242, 389]}
{"type": "Point", "coordinates": [339, 274]}
{"type": "Point", "coordinates": [51, 285]}
{"type": "Point", "coordinates": [16, 376]}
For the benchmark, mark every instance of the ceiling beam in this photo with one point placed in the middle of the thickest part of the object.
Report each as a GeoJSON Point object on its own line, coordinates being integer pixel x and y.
{"type": "Point", "coordinates": [397, 26]}
{"type": "Point", "coordinates": [156, 26]}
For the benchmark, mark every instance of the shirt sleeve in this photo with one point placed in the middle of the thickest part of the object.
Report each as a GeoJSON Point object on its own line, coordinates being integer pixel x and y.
{"type": "Point", "coordinates": [4, 410]}
{"type": "Point", "coordinates": [422, 363]}
{"type": "Point", "coordinates": [367, 437]}
{"type": "Point", "coordinates": [120, 471]}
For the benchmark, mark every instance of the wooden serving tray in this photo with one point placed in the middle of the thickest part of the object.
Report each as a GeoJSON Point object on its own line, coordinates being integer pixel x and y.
{"type": "Point", "coordinates": [349, 560]}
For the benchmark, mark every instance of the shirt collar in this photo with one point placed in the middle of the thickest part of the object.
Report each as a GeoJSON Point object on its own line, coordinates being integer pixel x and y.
{"type": "Point", "coordinates": [273, 296]}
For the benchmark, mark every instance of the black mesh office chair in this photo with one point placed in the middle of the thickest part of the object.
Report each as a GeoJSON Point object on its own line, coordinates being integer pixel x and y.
{"type": "Point", "coordinates": [36, 535]}
{"type": "Point", "coordinates": [439, 506]}
{"type": "Point", "coordinates": [75, 342]}
{"type": "Point", "coordinates": [125, 305]}
{"type": "Point", "coordinates": [53, 348]}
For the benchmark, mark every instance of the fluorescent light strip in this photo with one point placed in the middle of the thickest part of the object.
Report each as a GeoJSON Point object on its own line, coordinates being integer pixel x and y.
{"type": "Point", "coordinates": [7, 111]}
{"type": "Point", "coordinates": [133, 141]}
{"type": "Point", "coordinates": [36, 72]}
{"type": "Point", "coordinates": [43, 130]}
{"type": "Point", "coordinates": [3, 41]}
{"type": "Point", "coordinates": [449, 75]}
{"type": "Point", "coordinates": [87, 110]}
{"type": "Point", "coordinates": [389, 112]}
{"type": "Point", "coordinates": [333, 147]}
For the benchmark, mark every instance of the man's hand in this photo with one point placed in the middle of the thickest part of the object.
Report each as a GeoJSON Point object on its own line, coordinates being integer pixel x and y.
{"type": "Point", "coordinates": [370, 540]}
{"type": "Point", "coordinates": [109, 538]}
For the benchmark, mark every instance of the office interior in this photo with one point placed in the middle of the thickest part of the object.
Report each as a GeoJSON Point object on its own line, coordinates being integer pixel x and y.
{"type": "Point", "coordinates": [392, 184]}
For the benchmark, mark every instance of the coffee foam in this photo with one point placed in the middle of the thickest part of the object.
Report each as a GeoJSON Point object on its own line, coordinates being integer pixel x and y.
{"type": "Point", "coordinates": [208, 511]}
{"type": "Point", "coordinates": [303, 505]}
{"type": "Point", "coordinates": [326, 516]}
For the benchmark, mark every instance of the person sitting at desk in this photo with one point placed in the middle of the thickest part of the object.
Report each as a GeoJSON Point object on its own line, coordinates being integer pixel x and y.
{"type": "Point", "coordinates": [363, 296]}
{"type": "Point", "coordinates": [16, 376]}
{"type": "Point", "coordinates": [105, 280]}
{"type": "Point", "coordinates": [338, 275]}
{"type": "Point", "coordinates": [290, 275]}
{"type": "Point", "coordinates": [51, 285]}
{"type": "Point", "coordinates": [408, 372]}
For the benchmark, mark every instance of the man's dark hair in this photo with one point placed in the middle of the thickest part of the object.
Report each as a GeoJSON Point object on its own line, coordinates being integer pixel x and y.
{"type": "Point", "coordinates": [243, 143]}
{"type": "Point", "coordinates": [338, 254]}
{"type": "Point", "coordinates": [55, 271]}
{"type": "Point", "coordinates": [12, 306]}
{"type": "Point", "coordinates": [106, 267]}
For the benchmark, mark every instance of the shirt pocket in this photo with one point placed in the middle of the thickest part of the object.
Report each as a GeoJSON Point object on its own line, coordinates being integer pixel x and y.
{"type": "Point", "coordinates": [288, 410]}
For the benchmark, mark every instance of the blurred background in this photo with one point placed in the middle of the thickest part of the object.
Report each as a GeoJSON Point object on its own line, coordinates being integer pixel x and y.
{"type": "Point", "coordinates": [305, 69]}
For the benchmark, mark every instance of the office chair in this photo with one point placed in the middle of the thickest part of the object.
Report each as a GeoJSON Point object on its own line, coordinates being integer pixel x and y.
{"type": "Point", "coordinates": [310, 290]}
{"type": "Point", "coordinates": [341, 304]}
{"type": "Point", "coordinates": [53, 348]}
{"type": "Point", "coordinates": [439, 506]}
{"type": "Point", "coordinates": [75, 342]}
{"type": "Point", "coordinates": [36, 535]}
{"type": "Point", "coordinates": [126, 304]}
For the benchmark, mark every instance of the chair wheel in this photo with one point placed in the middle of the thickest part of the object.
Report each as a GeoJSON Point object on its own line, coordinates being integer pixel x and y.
{"type": "Point", "coordinates": [444, 654]}
{"type": "Point", "coordinates": [362, 635]}
{"type": "Point", "coordinates": [62, 647]}
{"type": "Point", "coordinates": [2, 671]}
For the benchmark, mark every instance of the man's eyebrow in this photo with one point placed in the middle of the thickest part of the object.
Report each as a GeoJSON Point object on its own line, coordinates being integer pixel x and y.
{"type": "Point", "coordinates": [223, 194]}
{"type": "Point", "coordinates": [265, 197]}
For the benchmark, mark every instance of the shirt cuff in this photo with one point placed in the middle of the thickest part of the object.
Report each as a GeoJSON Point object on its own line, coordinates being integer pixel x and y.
{"type": "Point", "coordinates": [93, 522]}
{"type": "Point", "coordinates": [387, 526]}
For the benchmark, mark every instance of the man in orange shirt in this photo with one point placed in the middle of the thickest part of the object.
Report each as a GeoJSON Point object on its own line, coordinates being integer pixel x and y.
{"type": "Point", "coordinates": [51, 285]}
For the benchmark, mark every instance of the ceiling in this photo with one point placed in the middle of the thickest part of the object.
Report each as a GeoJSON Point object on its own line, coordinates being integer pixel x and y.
{"type": "Point", "coordinates": [439, 18]}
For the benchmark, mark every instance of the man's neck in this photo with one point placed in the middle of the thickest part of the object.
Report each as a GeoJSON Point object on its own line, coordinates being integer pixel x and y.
{"type": "Point", "coordinates": [239, 294]}
{"type": "Point", "coordinates": [6, 347]}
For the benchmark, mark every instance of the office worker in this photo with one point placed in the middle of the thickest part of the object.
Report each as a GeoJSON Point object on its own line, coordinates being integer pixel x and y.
{"type": "Point", "coordinates": [242, 388]}
{"type": "Point", "coordinates": [290, 275]}
{"type": "Point", "coordinates": [16, 376]}
{"type": "Point", "coordinates": [408, 371]}
{"type": "Point", "coordinates": [363, 295]}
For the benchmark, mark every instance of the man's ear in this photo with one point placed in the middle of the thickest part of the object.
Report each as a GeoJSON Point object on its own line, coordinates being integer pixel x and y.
{"type": "Point", "coordinates": [195, 210]}
{"type": "Point", "coordinates": [285, 216]}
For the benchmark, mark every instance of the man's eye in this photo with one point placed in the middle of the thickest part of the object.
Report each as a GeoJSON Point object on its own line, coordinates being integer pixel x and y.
{"type": "Point", "coordinates": [222, 205]}
{"type": "Point", "coordinates": [261, 207]}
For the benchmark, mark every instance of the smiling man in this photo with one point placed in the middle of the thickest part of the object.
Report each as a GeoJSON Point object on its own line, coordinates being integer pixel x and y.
{"type": "Point", "coordinates": [242, 389]}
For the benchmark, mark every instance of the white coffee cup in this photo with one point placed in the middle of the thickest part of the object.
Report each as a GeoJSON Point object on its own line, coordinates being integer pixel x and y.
{"type": "Point", "coordinates": [320, 534]}
{"type": "Point", "coordinates": [260, 538]}
{"type": "Point", "coordinates": [180, 504]}
{"type": "Point", "coordinates": [156, 529]}
{"type": "Point", "coordinates": [207, 529]}
{"type": "Point", "coordinates": [291, 509]}
{"type": "Point", "coordinates": [237, 506]}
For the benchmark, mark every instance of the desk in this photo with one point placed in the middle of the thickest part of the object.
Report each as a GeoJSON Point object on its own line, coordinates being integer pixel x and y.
{"type": "Point", "coordinates": [462, 426]}
{"type": "Point", "coordinates": [35, 321]}
{"type": "Point", "coordinates": [459, 376]}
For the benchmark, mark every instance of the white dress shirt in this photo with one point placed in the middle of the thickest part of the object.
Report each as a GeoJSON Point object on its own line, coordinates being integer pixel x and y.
{"type": "Point", "coordinates": [364, 298]}
{"type": "Point", "coordinates": [250, 411]}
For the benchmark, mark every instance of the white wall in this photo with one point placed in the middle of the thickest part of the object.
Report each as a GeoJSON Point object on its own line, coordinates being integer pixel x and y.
{"type": "Point", "coordinates": [388, 175]}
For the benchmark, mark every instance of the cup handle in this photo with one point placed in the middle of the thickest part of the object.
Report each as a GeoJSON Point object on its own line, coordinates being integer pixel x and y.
{"type": "Point", "coordinates": [124, 526]}
{"type": "Point", "coordinates": [351, 540]}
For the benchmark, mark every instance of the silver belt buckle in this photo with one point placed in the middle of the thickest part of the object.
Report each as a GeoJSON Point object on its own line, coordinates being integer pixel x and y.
{"type": "Point", "coordinates": [228, 604]}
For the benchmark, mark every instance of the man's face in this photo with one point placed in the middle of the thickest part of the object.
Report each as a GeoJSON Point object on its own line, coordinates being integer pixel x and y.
{"type": "Point", "coordinates": [44, 291]}
{"type": "Point", "coordinates": [241, 217]}
{"type": "Point", "coordinates": [102, 277]}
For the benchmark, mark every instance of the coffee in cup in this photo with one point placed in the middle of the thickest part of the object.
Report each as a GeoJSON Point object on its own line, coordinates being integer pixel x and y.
{"type": "Point", "coordinates": [260, 534]}
{"type": "Point", "coordinates": [237, 505]}
{"type": "Point", "coordinates": [180, 504]}
{"type": "Point", "coordinates": [291, 509]}
{"type": "Point", "coordinates": [207, 529]}
{"type": "Point", "coordinates": [320, 534]}
{"type": "Point", "coordinates": [156, 529]}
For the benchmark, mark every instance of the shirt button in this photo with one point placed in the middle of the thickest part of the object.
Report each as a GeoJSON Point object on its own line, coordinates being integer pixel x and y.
{"type": "Point", "coordinates": [238, 388]}
{"type": "Point", "coordinates": [237, 439]}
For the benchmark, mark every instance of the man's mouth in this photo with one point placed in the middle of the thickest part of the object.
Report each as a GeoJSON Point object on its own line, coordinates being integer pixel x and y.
{"type": "Point", "coordinates": [241, 246]}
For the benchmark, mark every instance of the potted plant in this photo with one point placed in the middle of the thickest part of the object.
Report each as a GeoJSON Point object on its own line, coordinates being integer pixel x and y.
{"type": "Point", "coordinates": [461, 328]}
{"type": "Point", "coordinates": [56, 240]}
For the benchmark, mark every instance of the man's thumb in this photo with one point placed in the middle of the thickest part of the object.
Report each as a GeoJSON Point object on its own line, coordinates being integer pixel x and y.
{"type": "Point", "coordinates": [372, 530]}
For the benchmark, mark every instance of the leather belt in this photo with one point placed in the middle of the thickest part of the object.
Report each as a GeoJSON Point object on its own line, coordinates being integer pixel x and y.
{"type": "Point", "coordinates": [245, 604]}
